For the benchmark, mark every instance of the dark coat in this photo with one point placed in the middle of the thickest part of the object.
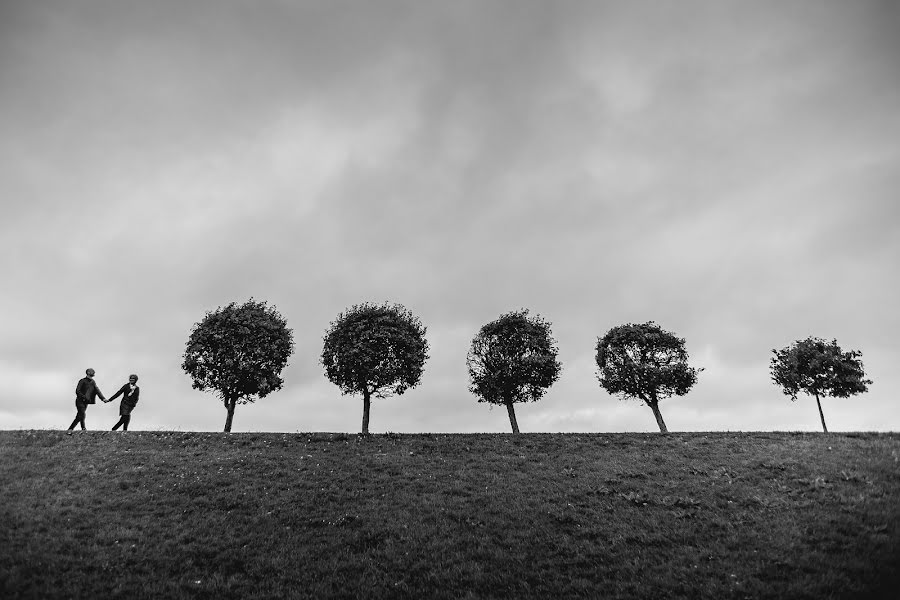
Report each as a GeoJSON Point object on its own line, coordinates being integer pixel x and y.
{"type": "Point", "coordinates": [86, 391]}
{"type": "Point", "coordinates": [129, 398]}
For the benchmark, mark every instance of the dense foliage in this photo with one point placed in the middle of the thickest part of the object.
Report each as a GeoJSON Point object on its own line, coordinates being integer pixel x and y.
{"type": "Point", "coordinates": [818, 368]}
{"type": "Point", "coordinates": [238, 352]}
{"type": "Point", "coordinates": [375, 350]}
{"type": "Point", "coordinates": [513, 359]}
{"type": "Point", "coordinates": [644, 362]}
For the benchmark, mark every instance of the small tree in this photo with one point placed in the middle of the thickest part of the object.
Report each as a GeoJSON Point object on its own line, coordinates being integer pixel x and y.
{"type": "Point", "coordinates": [513, 359]}
{"type": "Point", "coordinates": [375, 350]}
{"type": "Point", "coordinates": [818, 368]}
{"type": "Point", "coordinates": [238, 352]}
{"type": "Point", "coordinates": [644, 362]}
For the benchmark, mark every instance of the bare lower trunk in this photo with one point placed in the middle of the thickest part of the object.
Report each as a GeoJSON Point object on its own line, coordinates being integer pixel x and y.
{"type": "Point", "coordinates": [229, 405]}
{"type": "Point", "coordinates": [512, 417]}
{"type": "Point", "coordinates": [367, 402]}
{"type": "Point", "coordinates": [821, 414]}
{"type": "Point", "coordinates": [659, 420]}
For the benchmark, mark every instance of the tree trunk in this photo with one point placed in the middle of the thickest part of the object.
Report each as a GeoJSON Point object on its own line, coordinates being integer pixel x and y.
{"type": "Point", "coordinates": [821, 414]}
{"type": "Point", "coordinates": [512, 417]}
{"type": "Point", "coordinates": [229, 405]}
{"type": "Point", "coordinates": [654, 405]}
{"type": "Point", "coordinates": [367, 402]}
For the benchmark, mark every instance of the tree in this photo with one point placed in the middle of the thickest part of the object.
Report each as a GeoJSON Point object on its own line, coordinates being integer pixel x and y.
{"type": "Point", "coordinates": [818, 368]}
{"type": "Point", "coordinates": [644, 362]}
{"type": "Point", "coordinates": [513, 359]}
{"type": "Point", "coordinates": [375, 350]}
{"type": "Point", "coordinates": [238, 352]}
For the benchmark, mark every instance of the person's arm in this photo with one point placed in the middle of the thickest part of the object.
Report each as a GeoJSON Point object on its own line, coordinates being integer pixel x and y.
{"type": "Point", "coordinates": [80, 392]}
{"type": "Point", "coordinates": [114, 396]}
{"type": "Point", "coordinates": [99, 393]}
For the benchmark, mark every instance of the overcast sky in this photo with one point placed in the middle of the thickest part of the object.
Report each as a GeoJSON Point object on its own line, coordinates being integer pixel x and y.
{"type": "Point", "coordinates": [729, 170]}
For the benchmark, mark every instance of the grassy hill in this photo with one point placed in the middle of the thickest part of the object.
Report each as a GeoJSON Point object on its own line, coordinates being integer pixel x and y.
{"type": "Point", "coordinates": [211, 515]}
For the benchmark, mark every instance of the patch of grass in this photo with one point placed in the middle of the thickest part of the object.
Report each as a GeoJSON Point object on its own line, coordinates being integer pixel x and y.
{"type": "Point", "coordinates": [316, 515]}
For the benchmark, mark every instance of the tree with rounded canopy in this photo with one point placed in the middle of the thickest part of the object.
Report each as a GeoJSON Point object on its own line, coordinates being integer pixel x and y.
{"type": "Point", "coordinates": [376, 351]}
{"type": "Point", "coordinates": [644, 362]}
{"type": "Point", "coordinates": [818, 368]}
{"type": "Point", "coordinates": [238, 352]}
{"type": "Point", "coordinates": [513, 359]}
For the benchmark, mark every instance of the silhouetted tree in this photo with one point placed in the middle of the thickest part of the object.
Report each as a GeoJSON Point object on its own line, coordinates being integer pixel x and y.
{"type": "Point", "coordinates": [238, 352]}
{"type": "Point", "coordinates": [818, 368]}
{"type": "Point", "coordinates": [375, 350]}
{"type": "Point", "coordinates": [644, 362]}
{"type": "Point", "coordinates": [513, 359]}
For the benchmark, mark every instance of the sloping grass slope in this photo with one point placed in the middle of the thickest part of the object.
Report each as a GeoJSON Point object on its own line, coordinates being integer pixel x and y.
{"type": "Point", "coordinates": [210, 515]}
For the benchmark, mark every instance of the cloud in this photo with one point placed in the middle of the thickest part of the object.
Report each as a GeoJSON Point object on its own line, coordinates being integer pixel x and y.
{"type": "Point", "coordinates": [727, 171]}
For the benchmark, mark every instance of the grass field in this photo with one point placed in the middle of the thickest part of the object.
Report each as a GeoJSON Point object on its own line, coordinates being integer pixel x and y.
{"type": "Point", "coordinates": [685, 515]}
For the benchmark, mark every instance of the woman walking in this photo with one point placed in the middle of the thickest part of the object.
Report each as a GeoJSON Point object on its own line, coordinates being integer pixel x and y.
{"type": "Point", "coordinates": [130, 393]}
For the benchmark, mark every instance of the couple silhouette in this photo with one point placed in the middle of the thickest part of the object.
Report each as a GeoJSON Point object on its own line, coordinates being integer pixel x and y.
{"type": "Point", "coordinates": [87, 392]}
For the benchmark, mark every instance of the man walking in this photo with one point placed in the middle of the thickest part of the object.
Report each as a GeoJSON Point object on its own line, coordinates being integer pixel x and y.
{"type": "Point", "coordinates": [86, 392]}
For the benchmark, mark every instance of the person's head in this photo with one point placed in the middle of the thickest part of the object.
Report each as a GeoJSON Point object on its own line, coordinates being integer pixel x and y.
{"type": "Point", "coordinates": [89, 372]}
{"type": "Point", "coordinates": [132, 379]}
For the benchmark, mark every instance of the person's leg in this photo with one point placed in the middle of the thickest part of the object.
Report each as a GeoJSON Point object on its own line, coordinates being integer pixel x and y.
{"type": "Point", "coordinates": [79, 415]}
{"type": "Point", "coordinates": [79, 418]}
{"type": "Point", "coordinates": [116, 426]}
{"type": "Point", "coordinates": [125, 421]}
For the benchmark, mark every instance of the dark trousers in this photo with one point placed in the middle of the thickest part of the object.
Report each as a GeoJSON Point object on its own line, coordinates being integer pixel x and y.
{"type": "Point", "coordinates": [81, 407]}
{"type": "Point", "coordinates": [123, 421]}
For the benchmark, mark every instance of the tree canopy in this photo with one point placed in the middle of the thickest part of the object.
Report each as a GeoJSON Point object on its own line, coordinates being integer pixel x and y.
{"type": "Point", "coordinates": [238, 352]}
{"type": "Point", "coordinates": [818, 368]}
{"type": "Point", "coordinates": [645, 362]}
{"type": "Point", "coordinates": [513, 359]}
{"type": "Point", "coordinates": [375, 350]}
